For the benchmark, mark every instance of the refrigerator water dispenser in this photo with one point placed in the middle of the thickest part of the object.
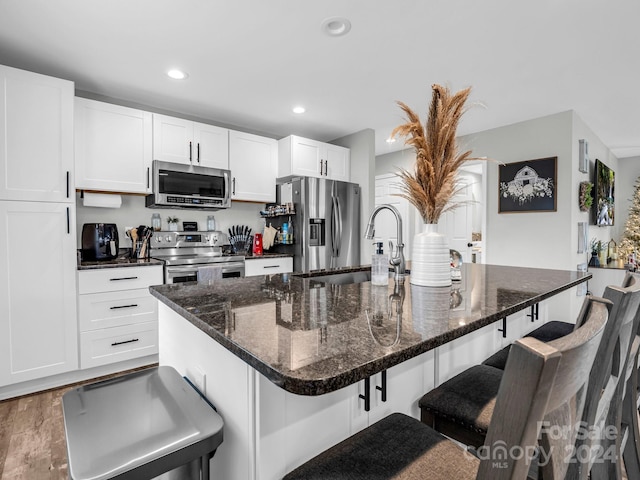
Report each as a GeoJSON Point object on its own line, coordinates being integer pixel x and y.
{"type": "Point", "coordinates": [316, 232]}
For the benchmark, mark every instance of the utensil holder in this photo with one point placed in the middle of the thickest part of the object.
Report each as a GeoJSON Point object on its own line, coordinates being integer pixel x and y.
{"type": "Point", "coordinates": [140, 250]}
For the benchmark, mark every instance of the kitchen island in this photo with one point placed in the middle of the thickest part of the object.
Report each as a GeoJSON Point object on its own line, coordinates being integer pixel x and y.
{"type": "Point", "coordinates": [297, 363]}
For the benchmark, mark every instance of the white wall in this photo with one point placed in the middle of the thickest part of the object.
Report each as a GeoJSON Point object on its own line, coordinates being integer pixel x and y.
{"type": "Point", "coordinates": [392, 162]}
{"type": "Point", "coordinates": [134, 213]}
{"type": "Point", "coordinates": [543, 240]}
{"type": "Point", "coordinates": [527, 239]}
{"type": "Point", "coordinates": [597, 150]}
{"type": "Point", "coordinates": [363, 161]}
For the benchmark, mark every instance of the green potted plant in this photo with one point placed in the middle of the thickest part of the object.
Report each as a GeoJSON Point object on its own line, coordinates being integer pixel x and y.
{"type": "Point", "coordinates": [173, 223]}
{"type": "Point", "coordinates": [585, 199]}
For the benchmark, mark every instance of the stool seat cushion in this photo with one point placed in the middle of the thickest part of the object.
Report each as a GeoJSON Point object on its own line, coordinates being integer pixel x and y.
{"type": "Point", "coordinates": [467, 399]}
{"type": "Point", "coordinates": [546, 333]}
{"type": "Point", "coordinates": [396, 447]}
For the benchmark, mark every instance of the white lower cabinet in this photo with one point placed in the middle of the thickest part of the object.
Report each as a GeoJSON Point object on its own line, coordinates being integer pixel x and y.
{"type": "Point", "coordinates": [268, 266]}
{"type": "Point", "coordinates": [115, 344]}
{"type": "Point", "coordinates": [118, 317]}
{"type": "Point", "coordinates": [38, 325]}
{"type": "Point", "coordinates": [602, 277]}
{"type": "Point", "coordinates": [473, 348]}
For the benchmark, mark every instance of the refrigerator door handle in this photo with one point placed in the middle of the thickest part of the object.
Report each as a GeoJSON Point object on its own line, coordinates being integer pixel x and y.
{"type": "Point", "coordinates": [336, 226]}
{"type": "Point", "coordinates": [333, 226]}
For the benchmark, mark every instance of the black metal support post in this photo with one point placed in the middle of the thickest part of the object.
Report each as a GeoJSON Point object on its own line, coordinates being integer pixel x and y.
{"type": "Point", "coordinates": [367, 396]}
{"type": "Point", "coordinates": [383, 388]}
{"type": "Point", "coordinates": [504, 328]}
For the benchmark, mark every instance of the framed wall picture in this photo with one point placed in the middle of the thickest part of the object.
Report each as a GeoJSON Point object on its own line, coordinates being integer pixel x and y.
{"type": "Point", "coordinates": [528, 186]}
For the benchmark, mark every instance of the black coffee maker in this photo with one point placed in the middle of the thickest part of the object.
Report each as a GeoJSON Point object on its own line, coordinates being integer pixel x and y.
{"type": "Point", "coordinates": [100, 241]}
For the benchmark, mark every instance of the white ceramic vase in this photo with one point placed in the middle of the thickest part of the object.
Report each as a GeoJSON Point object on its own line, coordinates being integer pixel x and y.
{"type": "Point", "coordinates": [429, 308]}
{"type": "Point", "coordinates": [430, 258]}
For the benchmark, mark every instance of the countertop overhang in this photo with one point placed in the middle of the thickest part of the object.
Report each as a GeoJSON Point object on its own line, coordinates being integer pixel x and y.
{"type": "Point", "coordinates": [310, 337]}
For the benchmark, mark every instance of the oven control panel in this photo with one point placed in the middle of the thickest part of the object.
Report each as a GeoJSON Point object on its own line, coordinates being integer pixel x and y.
{"type": "Point", "coordinates": [189, 239]}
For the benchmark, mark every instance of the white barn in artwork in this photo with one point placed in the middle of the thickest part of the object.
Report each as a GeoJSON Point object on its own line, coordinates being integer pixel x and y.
{"type": "Point", "coordinates": [525, 176]}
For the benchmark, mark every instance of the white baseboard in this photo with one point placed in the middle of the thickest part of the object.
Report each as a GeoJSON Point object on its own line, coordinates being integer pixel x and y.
{"type": "Point", "coordinates": [55, 381]}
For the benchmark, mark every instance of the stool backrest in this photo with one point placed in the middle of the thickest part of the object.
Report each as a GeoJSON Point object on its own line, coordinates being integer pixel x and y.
{"type": "Point", "coordinates": [542, 382]}
{"type": "Point", "coordinates": [608, 372]}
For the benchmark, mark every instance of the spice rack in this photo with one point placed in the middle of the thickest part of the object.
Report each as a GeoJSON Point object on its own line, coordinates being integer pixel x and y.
{"type": "Point", "coordinates": [272, 211]}
{"type": "Point", "coordinates": [281, 214]}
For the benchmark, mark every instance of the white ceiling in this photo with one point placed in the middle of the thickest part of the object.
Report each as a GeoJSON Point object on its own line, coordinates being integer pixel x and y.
{"type": "Point", "coordinates": [250, 61]}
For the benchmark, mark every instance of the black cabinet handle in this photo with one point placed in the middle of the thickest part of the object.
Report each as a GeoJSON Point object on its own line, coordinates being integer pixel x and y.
{"type": "Point", "coordinates": [123, 306]}
{"type": "Point", "coordinates": [148, 179]}
{"type": "Point", "coordinates": [126, 341]}
{"type": "Point", "coordinates": [198, 152]}
{"type": "Point", "coordinates": [122, 278]}
{"type": "Point", "coordinates": [320, 167]}
{"type": "Point", "coordinates": [233, 192]}
{"type": "Point", "coordinates": [68, 182]}
{"type": "Point", "coordinates": [469, 244]}
{"type": "Point", "coordinates": [271, 266]}
{"type": "Point", "coordinates": [68, 221]}
{"type": "Point", "coordinates": [190, 151]}
{"type": "Point", "coordinates": [326, 168]}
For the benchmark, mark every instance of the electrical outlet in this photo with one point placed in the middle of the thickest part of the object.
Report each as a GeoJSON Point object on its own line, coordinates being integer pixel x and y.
{"type": "Point", "coordinates": [198, 378]}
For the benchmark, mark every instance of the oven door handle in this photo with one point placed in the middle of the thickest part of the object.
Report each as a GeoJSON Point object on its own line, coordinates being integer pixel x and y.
{"type": "Point", "coordinates": [173, 270]}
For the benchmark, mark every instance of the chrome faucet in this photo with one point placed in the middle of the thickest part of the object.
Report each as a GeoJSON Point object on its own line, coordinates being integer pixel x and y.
{"type": "Point", "coordinates": [396, 260]}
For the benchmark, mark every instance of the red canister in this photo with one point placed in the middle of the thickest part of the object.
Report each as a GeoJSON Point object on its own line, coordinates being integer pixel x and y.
{"type": "Point", "coordinates": [257, 244]}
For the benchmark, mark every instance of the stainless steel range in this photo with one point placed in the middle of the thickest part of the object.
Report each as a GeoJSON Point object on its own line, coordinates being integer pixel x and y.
{"type": "Point", "coordinates": [184, 252]}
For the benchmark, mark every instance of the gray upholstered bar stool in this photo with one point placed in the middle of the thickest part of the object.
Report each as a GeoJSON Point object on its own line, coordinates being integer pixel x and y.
{"type": "Point", "coordinates": [463, 406]}
{"type": "Point", "coordinates": [630, 420]}
{"type": "Point", "coordinates": [139, 426]}
{"type": "Point", "coordinates": [539, 380]}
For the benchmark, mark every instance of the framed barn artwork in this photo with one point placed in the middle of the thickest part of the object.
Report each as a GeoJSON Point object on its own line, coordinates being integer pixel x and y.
{"type": "Point", "coordinates": [528, 186]}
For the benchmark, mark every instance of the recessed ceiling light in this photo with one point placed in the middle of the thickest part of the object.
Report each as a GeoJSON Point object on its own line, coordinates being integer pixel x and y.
{"type": "Point", "coordinates": [177, 74]}
{"type": "Point", "coordinates": [336, 26]}
{"type": "Point", "coordinates": [391, 140]}
{"type": "Point", "coordinates": [299, 109]}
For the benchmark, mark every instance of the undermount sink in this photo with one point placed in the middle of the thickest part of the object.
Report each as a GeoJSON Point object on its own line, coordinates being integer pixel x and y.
{"type": "Point", "coordinates": [345, 278]}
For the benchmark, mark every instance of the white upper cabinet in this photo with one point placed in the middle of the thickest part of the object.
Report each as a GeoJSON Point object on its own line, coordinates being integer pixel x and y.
{"type": "Point", "coordinates": [183, 141]}
{"type": "Point", "coordinates": [113, 147]}
{"type": "Point", "coordinates": [310, 158]}
{"type": "Point", "coordinates": [36, 137]}
{"type": "Point", "coordinates": [337, 162]}
{"type": "Point", "coordinates": [252, 160]}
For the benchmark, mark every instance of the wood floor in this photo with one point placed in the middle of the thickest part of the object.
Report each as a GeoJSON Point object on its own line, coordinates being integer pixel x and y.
{"type": "Point", "coordinates": [32, 439]}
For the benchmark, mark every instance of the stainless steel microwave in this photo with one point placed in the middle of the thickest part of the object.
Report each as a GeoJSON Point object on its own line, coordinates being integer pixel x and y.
{"type": "Point", "coordinates": [177, 185]}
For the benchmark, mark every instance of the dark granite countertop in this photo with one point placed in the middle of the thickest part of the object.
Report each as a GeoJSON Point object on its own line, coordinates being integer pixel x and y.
{"type": "Point", "coordinates": [269, 255]}
{"type": "Point", "coordinates": [120, 261]}
{"type": "Point", "coordinates": [311, 337]}
{"type": "Point", "coordinates": [612, 265]}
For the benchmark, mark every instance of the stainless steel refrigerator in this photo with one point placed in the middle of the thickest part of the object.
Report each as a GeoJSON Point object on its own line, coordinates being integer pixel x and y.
{"type": "Point", "coordinates": [326, 226]}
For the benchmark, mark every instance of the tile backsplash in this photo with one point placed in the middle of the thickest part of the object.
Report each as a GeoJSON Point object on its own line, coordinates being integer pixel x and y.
{"type": "Point", "coordinates": [133, 213]}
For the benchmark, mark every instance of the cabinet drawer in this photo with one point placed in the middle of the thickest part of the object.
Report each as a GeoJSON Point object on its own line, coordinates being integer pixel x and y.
{"type": "Point", "coordinates": [267, 266]}
{"type": "Point", "coordinates": [115, 279]}
{"type": "Point", "coordinates": [113, 309]}
{"type": "Point", "coordinates": [110, 345]}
